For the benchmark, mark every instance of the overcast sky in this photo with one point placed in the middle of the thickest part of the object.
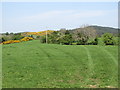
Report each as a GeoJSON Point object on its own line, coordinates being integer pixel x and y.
{"type": "Point", "coordinates": [39, 16]}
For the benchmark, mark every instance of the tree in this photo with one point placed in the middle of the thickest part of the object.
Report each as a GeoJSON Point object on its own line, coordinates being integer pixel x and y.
{"type": "Point", "coordinates": [67, 39]}
{"type": "Point", "coordinates": [80, 38]}
{"type": "Point", "coordinates": [43, 39]}
{"type": "Point", "coordinates": [67, 32]}
{"type": "Point", "coordinates": [83, 34]}
{"type": "Point", "coordinates": [6, 33]}
{"type": "Point", "coordinates": [108, 39]}
{"type": "Point", "coordinates": [17, 37]}
{"type": "Point", "coordinates": [89, 31]}
{"type": "Point", "coordinates": [11, 33]}
{"type": "Point", "coordinates": [93, 42]}
{"type": "Point", "coordinates": [2, 39]}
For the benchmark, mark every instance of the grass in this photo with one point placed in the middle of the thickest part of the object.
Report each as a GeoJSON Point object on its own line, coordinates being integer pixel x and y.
{"type": "Point", "coordinates": [35, 65]}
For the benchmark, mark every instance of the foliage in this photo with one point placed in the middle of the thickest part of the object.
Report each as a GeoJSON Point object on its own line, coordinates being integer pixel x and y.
{"type": "Point", "coordinates": [17, 41]}
{"type": "Point", "coordinates": [43, 39]}
{"type": "Point", "coordinates": [42, 33]}
{"type": "Point", "coordinates": [27, 39]}
{"type": "Point", "coordinates": [11, 41]}
{"type": "Point", "coordinates": [6, 33]}
{"type": "Point", "coordinates": [93, 42]}
{"type": "Point", "coordinates": [2, 39]}
{"type": "Point", "coordinates": [108, 39]}
{"type": "Point", "coordinates": [82, 39]}
{"type": "Point", "coordinates": [116, 40]}
{"type": "Point", "coordinates": [67, 39]}
{"type": "Point", "coordinates": [17, 37]}
{"type": "Point", "coordinates": [100, 30]}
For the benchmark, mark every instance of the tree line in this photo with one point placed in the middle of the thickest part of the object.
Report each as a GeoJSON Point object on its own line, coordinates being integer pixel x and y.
{"type": "Point", "coordinates": [85, 36]}
{"type": "Point", "coordinates": [79, 36]}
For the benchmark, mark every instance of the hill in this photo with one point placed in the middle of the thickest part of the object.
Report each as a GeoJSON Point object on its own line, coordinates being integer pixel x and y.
{"type": "Point", "coordinates": [35, 65]}
{"type": "Point", "coordinates": [101, 30]}
{"type": "Point", "coordinates": [36, 33]}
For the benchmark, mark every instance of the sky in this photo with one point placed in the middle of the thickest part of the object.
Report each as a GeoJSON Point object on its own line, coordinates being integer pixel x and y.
{"type": "Point", "coordinates": [40, 16]}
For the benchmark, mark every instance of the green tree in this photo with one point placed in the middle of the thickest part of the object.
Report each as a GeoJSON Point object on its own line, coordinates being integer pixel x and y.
{"type": "Point", "coordinates": [43, 39]}
{"type": "Point", "coordinates": [108, 39]}
{"type": "Point", "coordinates": [6, 33]}
{"type": "Point", "coordinates": [17, 37]}
{"type": "Point", "coordinates": [67, 32]}
{"type": "Point", "coordinates": [2, 39]}
{"type": "Point", "coordinates": [67, 39]}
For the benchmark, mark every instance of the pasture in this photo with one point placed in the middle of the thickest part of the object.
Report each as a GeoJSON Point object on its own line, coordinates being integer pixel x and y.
{"type": "Point", "coordinates": [35, 65]}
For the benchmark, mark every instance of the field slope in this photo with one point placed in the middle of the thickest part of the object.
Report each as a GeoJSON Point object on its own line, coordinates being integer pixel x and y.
{"type": "Point", "coordinates": [35, 65]}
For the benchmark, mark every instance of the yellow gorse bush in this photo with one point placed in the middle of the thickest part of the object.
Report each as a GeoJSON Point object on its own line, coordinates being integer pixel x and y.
{"type": "Point", "coordinates": [11, 41]}
{"type": "Point", "coordinates": [17, 41]}
{"type": "Point", "coordinates": [26, 39]}
{"type": "Point", "coordinates": [37, 33]}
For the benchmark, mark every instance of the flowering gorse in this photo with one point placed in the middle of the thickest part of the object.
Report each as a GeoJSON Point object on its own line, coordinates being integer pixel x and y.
{"type": "Point", "coordinates": [17, 41]}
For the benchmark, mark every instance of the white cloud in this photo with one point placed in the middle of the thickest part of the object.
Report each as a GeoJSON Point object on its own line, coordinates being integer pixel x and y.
{"type": "Point", "coordinates": [59, 16]}
{"type": "Point", "coordinates": [60, 19]}
{"type": "Point", "coordinates": [88, 14]}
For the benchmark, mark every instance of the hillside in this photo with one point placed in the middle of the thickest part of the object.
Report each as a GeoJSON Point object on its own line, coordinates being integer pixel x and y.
{"type": "Point", "coordinates": [101, 30]}
{"type": "Point", "coordinates": [35, 65]}
{"type": "Point", "coordinates": [36, 33]}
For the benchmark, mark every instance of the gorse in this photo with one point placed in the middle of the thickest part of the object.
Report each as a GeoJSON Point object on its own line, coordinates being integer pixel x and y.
{"type": "Point", "coordinates": [17, 41]}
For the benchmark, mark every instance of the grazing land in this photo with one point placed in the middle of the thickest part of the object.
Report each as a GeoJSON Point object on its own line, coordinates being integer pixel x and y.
{"type": "Point", "coordinates": [34, 65]}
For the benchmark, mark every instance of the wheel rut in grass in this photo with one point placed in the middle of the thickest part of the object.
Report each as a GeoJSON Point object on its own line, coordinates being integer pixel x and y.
{"type": "Point", "coordinates": [90, 64]}
{"type": "Point", "coordinates": [67, 53]}
{"type": "Point", "coordinates": [109, 65]}
{"type": "Point", "coordinates": [110, 55]}
{"type": "Point", "coordinates": [47, 54]}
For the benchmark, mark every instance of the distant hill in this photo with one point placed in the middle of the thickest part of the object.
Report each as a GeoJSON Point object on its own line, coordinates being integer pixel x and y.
{"type": "Point", "coordinates": [101, 30]}
{"type": "Point", "coordinates": [37, 33]}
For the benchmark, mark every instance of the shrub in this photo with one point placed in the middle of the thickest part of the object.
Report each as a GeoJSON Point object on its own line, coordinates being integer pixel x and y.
{"type": "Point", "coordinates": [2, 39]}
{"type": "Point", "coordinates": [74, 43]}
{"type": "Point", "coordinates": [11, 41]}
{"type": "Point", "coordinates": [100, 41]}
{"type": "Point", "coordinates": [17, 41]}
{"type": "Point", "coordinates": [108, 39]}
{"type": "Point", "coordinates": [17, 37]}
{"type": "Point", "coordinates": [82, 41]}
{"type": "Point", "coordinates": [116, 41]}
{"type": "Point", "coordinates": [67, 39]}
{"type": "Point", "coordinates": [43, 39]}
{"type": "Point", "coordinates": [27, 39]}
{"type": "Point", "coordinates": [93, 42]}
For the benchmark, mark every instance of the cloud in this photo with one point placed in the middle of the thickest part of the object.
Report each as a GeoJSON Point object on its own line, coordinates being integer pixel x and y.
{"type": "Point", "coordinates": [59, 16]}
{"type": "Point", "coordinates": [60, 19]}
{"type": "Point", "coordinates": [89, 14]}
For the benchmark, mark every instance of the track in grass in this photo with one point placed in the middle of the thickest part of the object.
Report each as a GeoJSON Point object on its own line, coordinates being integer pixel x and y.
{"type": "Point", "coordinates": [34, 65]}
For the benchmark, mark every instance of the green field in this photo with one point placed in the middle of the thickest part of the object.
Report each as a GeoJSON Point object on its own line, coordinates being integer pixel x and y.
{"type": "Point", "coordinates": [35, 65]}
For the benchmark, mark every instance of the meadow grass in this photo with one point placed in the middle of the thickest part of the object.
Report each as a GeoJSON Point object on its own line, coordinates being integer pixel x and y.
{"type": "Point", "coordinates": [35, 65]}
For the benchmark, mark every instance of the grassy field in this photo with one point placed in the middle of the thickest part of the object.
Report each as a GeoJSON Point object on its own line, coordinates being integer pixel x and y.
{"type": "Point", "coordinates": [35, 65]}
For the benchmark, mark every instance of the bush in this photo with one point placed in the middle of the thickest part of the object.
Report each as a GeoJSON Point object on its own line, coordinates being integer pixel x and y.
{"type": "Point", "coordinates": [67, 39]}
{"type": "Point", "coordinates": [17, 41]}
{"type": "Point", "coordinates": [27, 39]}
{"type": "Point", "coordinates": [2, 40]}
{"type": "Point", "coordinates": [82, 41]}
{"type": "Point", "coordinates": [5, 38]}
{"type": "Point", "coordinates": [116, 41]}
{"type": "Point", "coordinates": [11, 41]}
{"type": "Point", "coordinates": [43, 39]}
{"type": "Point", "coordinates": [93, 42]}
{"type": "Point", "coordinates": [108, 39]}
{"type": "Point", "coordinates": [17, 37]}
